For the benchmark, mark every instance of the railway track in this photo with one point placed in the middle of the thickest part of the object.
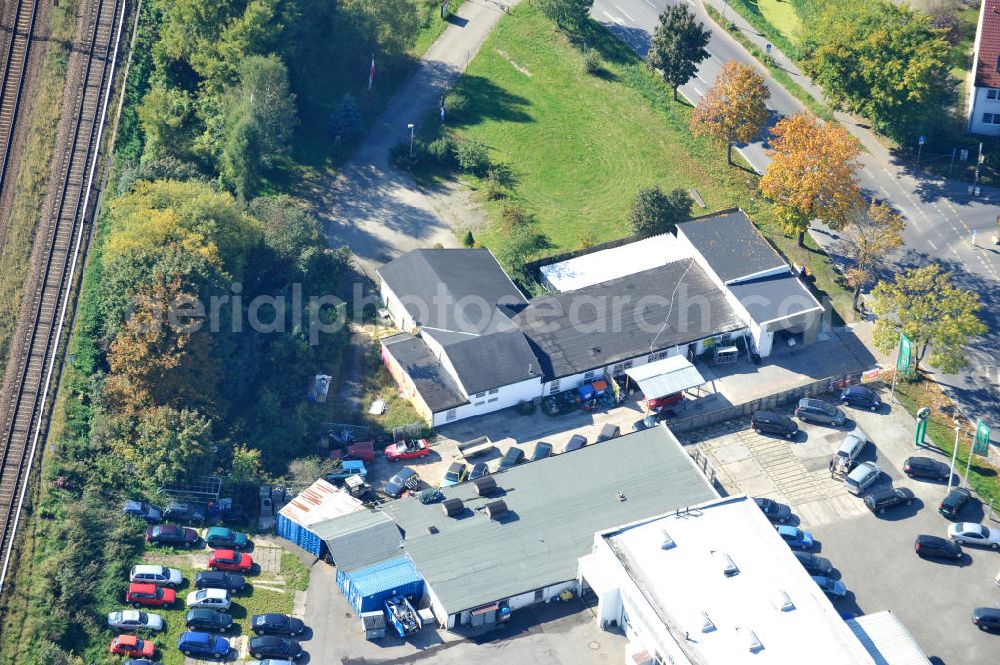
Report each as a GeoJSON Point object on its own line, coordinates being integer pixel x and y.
{"type": "Point", "coordinates": [15, 65]}
{"type": "Point", "coordinates": [34, 358]}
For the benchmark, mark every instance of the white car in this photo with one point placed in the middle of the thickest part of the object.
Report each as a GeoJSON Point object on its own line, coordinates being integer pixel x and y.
{"type": "Point", "coordinates": [147, 574]}
{"type": "Point", "coordinates": [135, 620]}
{"type": "Point", "coordinates": [213, 599]}
{"type": "Point", "coordinates": [970, 533]}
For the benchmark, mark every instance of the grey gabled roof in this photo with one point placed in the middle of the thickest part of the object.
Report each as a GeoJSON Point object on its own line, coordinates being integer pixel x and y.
{"type": "Point", "coordinates": [627, 319]}
{"type": "Point", "coordinates": [499, 357]}
{"type": "Point", "coordinates": [360, 539]}
{"type": "Point", "coordinates": [556, 506]}
{"type": "Point", "coordinates": [731, 245]}
{"type": "Point", "coordinates": [432, 381]}
{"type": "Point", "coordinates": [450, 289]}
{"type": "Point", "coordinates": [775, 297]}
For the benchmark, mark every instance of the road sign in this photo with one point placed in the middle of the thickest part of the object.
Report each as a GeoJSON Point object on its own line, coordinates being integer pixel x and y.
{"type": "Point", "coordinates": [963, 155]}
{"type": "Point", "coordinates": [981, 444]}
{"type": "Point", "coordinates": [768, 48]}
{"type": "Point", "coordinates": [905, 351]}
{"type": "Point", "coordinates": [918, 439]}
{"type": "Point", "coordinates": [922, 140]}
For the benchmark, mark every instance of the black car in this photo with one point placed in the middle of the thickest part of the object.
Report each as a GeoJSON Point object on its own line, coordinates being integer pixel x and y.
{"type": "Point", "coordinates": [511, 458]}
{"type": "Point", "coordinates": [953, 503]}
{"type": "Point", "coordinates": [774, 423]}
{"type": "Point", "coordinates": [207, 620]}
{"type": "Point", "coordinates": [405, 478]}
{"type": "Point", "coordinates": [884, 498]}
{"type": "Point", "coordinates": [171, 534]}
{"type": "Point", "coordinates": [774, 511]}
{"type": "Point", "coordinates": [272, 646]}
{"type": "Point", "coordinates": [542, 450]}
{"type": "Point", "coordinates": [276, 624]}
{"type": "Point", "coordinates": [609, 431]}
{"type": "Point", "coordinates": [217, 579]}
{"type": "Point", "coordinates": [861, 397]}
{"type": "Point", "coordinates": [814, 565]}
{"type": "Point", "coordinates": [987, 618]}
{"type": "Point", "coordinates": [146, 511]}
{"type": "Point", "coordinates": [925, 467]}
{"type": "Point", "coordinates": [933, 547]}
{"type": "Point", "coordinates": [575, 442]}
{"type": "Point", "coordinates": [479, 469]}
{"type": "Point", "coordinates": [184, 513]}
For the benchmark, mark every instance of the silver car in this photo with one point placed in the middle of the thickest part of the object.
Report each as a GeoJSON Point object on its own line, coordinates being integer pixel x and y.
{"type": "Point", "coordinates": [135, 620]}
{"type": "Point", "coordinates": [863, 477]}
{"type": "Point", "coordinates": [150, 574]}
{"type": "Point", "coordinates": [213, 599]}
{"type": "Point", "coordinates": [970, 533]}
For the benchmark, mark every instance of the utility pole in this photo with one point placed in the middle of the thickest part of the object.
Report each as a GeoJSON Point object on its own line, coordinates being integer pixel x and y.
{"type": "Point", "coordinates": [410, 127]}
{"type": "Point", "coordinates": [979, 160]}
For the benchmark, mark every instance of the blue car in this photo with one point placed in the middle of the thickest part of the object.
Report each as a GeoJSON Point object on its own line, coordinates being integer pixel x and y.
{"type": "Point", "coordinates": [797, 539]}
{"type": "Point", "coordinates": [831, 587]}
{"type": "Point", "coordinates": [861, 397]}
{"type": "Point", "coordinates": [143, 510]}
{"type": "Point", "coordinates": [195, 643]}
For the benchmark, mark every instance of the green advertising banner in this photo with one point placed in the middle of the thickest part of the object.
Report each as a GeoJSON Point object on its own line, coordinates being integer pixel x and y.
{"type": "Point", "coordinates": [981, 444]}
{"type": "Point", "coordinates": [905, 353]}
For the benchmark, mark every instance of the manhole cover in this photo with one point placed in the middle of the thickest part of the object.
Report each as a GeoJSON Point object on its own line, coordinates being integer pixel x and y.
{"type": "Point", "coordinates": [594, 646]}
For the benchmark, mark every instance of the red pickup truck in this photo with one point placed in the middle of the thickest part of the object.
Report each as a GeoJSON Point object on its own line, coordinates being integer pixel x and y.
{"type": "Point", "coordinates": [362, 450]}
{"type": "Point", "coordinates": [408, 449]}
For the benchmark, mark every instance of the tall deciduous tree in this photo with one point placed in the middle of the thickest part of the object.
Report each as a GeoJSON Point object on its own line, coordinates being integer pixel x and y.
{"type": "Point", "coordinates": [869, 238]}
{"type": "Point", "coordinates": [677, 46]}
{"type": "Point", "coordinates": [654, 211]}
{"type": "Point", "coordinates": [169, 445]}
{"type": "Point", "coordinates": [735, 108]}
{"type": "Point", "coordinates": [812, 174]}
{"type": "Point", "coordinates": [883, 61]}
{"type": "Point", "coordinates": [935, 315]}
{"type": "Point", "coordinates": [568, 14]}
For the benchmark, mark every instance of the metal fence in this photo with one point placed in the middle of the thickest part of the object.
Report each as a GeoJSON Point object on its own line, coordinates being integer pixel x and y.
{"type": "Point", "coordinates": [768, 403]}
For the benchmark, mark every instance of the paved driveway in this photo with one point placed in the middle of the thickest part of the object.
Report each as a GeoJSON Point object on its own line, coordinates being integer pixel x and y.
{"type": "Point", "coordinates": [873, 554]}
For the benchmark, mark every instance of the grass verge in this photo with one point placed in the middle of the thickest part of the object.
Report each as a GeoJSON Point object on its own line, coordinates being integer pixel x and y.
{"type": "Point", "coordinates": [759, 13]}
{"type": "Point", "coordinates": [782, 15]}
{"type": "Point", "coordinates": [780, 75]}
{"type": "Point", "coordinates": [33, 171]}
{"type": "Point", "coordinates": [983, 477]}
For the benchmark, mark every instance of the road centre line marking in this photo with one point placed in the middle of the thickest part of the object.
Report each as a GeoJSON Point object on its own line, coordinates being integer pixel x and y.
{"type": "Point", "coordinates": [614, 18]}
{"type": "Point", "coordinates": [625, 13]}
{"type": "Point", "coordinates": [931, 243]}
{"type": "Point", "coordinates": [651, 4]}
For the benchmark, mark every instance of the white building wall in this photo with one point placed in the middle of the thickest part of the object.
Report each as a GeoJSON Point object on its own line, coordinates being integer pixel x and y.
{"type": "Point", "coordinates": [490, 401]}
{"type": "Point", "coordinates": [397, 312]}
{"type": "Point", "coordinates": [984, 116]}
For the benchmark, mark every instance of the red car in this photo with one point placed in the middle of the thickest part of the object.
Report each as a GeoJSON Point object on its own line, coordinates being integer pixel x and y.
{"type": "Point", "coordinates": [658, 404]}
{"type": "Point", "coordinates": [235, 562]}
{"type": "Point", "coordinates": [408, 449]}
{"type": "Point", "coordinates": [130, 645]}
{"type": "Point", "coordinates": [149, 595]}
{"type": "Point", "coordinates": [363, 450]}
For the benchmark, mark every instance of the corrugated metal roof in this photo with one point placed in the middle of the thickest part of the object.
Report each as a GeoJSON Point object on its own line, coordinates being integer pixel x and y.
{"type": "Point", "coordinates": [555, 507]}
{"type": "Point", "coordinates": [384, 575]}
{"type": "Point", "coordinates": [319, 502]}
{"type": "Point", "coordinates": [887, 640]}
{"type": "Point", "coordinates": [666, 377]}
{"type": "Point", "coordinates": [360, 539]}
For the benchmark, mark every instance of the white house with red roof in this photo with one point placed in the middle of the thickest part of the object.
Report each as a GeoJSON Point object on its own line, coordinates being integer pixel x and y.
{"type": "Point", "coordinates": [984, 93]}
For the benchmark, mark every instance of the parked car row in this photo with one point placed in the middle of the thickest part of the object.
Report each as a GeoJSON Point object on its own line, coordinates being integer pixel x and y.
{"type": "Point", "coordinates": [817, 411]}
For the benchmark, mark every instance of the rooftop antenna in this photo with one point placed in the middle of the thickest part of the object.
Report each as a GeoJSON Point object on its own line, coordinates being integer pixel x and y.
{"type": "Point", "coordinates": [670, 309]}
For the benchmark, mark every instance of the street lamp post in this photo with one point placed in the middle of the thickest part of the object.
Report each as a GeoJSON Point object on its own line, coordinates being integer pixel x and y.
{"type": "Point", "coordinates": [954, 453]}
{"type": "Point", "coordinates": [410, 127]}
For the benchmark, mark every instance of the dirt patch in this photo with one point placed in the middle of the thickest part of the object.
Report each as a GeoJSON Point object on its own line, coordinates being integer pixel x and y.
{"type": "Point", "coordinates": [520, 68]}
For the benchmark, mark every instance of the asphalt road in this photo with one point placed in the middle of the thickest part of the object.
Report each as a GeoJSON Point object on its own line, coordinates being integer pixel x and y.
{"type": "Point", "coordinates": [941, 215]}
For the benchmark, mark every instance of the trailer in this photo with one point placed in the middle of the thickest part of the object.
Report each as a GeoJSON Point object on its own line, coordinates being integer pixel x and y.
{"type": "Point", "coordinates": [403, 616]}
{"type": "Point", "coordinates": [475, 447]}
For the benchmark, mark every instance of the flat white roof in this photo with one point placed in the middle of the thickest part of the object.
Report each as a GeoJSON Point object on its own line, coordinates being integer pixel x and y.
{"type": "Point", "coordinates": [686, 583]}
{"type": "Point", "coordinates": [608, 264]}
{"type": "Point", "coordinates": [887, 640]}
{"type": "Point", "coordinates": [666, 377]}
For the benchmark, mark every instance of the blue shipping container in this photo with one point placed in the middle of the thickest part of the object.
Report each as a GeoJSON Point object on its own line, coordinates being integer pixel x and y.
{"type": "Point", "coordinates": [301, 536]}
{"type": "Point", "coordinates": [368, 588]}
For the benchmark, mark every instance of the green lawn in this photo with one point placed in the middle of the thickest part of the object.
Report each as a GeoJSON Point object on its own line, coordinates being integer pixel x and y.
{"type": "Point", "coordinates": [581, 145]}
{"type": "Point", "coordinates": [783, 17]}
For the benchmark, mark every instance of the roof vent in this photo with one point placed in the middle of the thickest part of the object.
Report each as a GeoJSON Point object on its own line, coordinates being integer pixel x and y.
{"type": "Point", "coordinates": [452, 507]}
{"type": "Point", "coordinates": [496, 509]}
{"type": "Point", "coordinates": [485, 485]}
{"type": "Point", "coordinates": [668, 542]}
{"type": "Point", "coordinates": [706, 625]}
{"type": "Point", "coordinates": [781, 601]}
{"type": "Point", "coordinates": [729, 569]}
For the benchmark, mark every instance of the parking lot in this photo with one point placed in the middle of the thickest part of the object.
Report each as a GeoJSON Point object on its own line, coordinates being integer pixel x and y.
{"type": "Point", "coordinates": [873, 554]}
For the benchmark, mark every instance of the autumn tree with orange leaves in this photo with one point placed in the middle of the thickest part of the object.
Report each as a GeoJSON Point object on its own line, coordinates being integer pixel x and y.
{"type": "Point", "coordinates": [813, 174]}
{"type": "Point", "coordinates": [735, 108]}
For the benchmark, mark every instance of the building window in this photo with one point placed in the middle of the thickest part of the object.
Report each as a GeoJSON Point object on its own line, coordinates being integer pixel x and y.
{"type": "Point", "coordinates": [991, 118]}
{"type": "Point", "coordinates": [554, 387]}
{"type": "Point", "coordinates": [652, 358]}
{"type": "Point", "coordinates": [538, 595]}
{"type": "Point", "coordinates": [451, 414]}
{"type": "Point", "coordinates": [482, 394]}
{"type": "Point", "coordinates": [494, 391]}
{"type": "Point", "coordinates": [480, 403]}
{"type": "Point", "coordinates": [492, 399]}
{"type": "Point", "coordinates": [992, 93]}
{"type": "Point", "coordinates": [588, 376]}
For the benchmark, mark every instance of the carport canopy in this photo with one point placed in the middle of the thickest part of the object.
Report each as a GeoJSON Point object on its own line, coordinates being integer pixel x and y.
{"type": "Point", "coordinates": [665, 377]}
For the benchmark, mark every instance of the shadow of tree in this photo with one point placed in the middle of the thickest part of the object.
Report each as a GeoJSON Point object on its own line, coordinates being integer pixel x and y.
{"type": "Point", "coordinates": [488, 101]}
